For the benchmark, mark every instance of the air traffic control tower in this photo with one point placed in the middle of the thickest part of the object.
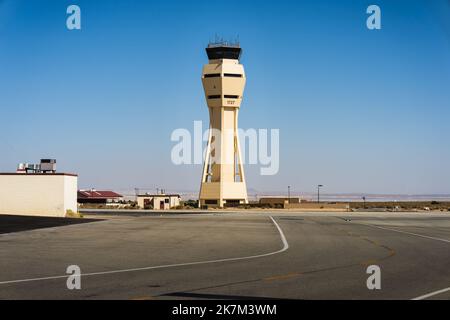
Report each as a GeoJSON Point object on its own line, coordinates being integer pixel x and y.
{"type": "Point", "coordinates": [223, 179]}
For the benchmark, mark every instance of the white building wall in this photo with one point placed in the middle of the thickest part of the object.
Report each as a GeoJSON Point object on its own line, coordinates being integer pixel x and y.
{"type": "Point", "coordinates": [38, 194]}
{"type": "Point", "coordinates": [157, 203]}
{"type": "Point", "coordinates": [70, 193]}
{"type": "Point", "coordinates": [173, 201]}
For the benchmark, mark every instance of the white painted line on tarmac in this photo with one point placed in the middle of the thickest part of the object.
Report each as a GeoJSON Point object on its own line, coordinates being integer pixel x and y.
{"type": "Point", "coordinates": [282, 236]}
{"type": "Point", "coordinates": [431, 294]}
{"type": "Point", "coordinates": [410, 233]}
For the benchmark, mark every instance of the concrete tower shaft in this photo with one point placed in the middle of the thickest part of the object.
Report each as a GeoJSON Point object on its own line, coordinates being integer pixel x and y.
{"type": "Point", "coordinates": [223, 180]}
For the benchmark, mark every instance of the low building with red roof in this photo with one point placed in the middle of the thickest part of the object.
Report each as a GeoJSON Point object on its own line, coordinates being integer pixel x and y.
{"type": "Point", "coordinates": [98, 196]}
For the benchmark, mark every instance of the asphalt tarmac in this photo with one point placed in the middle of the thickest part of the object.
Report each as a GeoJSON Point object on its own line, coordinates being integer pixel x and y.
{"type": "Point", "coordinates": [273, 255]}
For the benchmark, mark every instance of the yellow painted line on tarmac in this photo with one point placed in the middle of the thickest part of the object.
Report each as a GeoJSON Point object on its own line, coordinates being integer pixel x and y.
{"type": "Point", "coordinates": [283, 276]}
{"type": "Point", "coordinates": [369, 262]}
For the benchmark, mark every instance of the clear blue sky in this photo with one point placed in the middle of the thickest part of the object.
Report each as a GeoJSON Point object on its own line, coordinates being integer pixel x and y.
{"type": "Point", "coordinates": [358, 110]}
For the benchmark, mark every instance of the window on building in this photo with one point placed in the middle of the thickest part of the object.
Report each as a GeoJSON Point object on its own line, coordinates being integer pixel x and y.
{"type": "Point", "coordinates": [233, 75]}
{"type": "Point", "coordinates": [212, 75]}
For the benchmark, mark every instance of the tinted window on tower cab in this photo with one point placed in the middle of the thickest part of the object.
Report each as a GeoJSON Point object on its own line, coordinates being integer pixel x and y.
{"type": "Point", "coordinates": [232, 75]}
{"type": "Point", "coordinates": [212, 75]}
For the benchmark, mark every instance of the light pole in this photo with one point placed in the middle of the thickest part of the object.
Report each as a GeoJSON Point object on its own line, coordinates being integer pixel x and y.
{"type": "Point", "coordinates": [318, 192]}
{"type": "Point", "coordinates": [289, 194]}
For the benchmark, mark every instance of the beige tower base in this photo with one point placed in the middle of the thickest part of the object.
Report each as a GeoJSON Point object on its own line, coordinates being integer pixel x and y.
{"type": "Point", "coordinates": [223, 179]}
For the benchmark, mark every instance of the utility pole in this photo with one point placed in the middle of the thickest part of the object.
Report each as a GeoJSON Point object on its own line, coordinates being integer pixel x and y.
{"type": "Point", "coordinates": [318, 192]}
{"type": "Point", "coordinates": [289, 194]}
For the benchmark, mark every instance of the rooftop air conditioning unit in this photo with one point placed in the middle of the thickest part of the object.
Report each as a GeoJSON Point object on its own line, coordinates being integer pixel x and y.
{"type": "Point", "coordinates": [48, 165]}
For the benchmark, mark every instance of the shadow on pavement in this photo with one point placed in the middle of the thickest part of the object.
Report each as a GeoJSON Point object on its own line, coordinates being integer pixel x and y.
{"type": "Point", "coordinates": [9, 223]}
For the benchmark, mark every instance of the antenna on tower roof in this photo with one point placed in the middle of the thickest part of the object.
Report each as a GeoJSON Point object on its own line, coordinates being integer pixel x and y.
{"type": "Point", "coordinates": [220, 42]}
